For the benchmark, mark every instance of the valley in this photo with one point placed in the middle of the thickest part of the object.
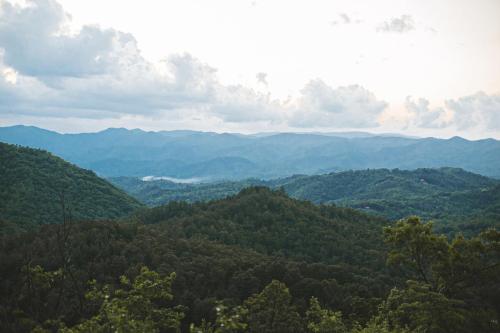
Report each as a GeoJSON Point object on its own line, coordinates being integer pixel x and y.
{"type": "Point", "coordinates": [333, 250]}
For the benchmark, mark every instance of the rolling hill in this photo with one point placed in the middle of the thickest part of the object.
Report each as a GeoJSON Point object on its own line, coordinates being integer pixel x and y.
{"type": "Point", "coordinates": [34, 184]}
{"type": "Point", "coordinates": [272, 223]}
{"type": "Point", "coordinates": [447, 195]}
{"type": "Point", "coordinates": [223, 250]}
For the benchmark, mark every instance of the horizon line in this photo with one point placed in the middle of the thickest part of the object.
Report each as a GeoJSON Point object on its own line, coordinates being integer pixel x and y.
{"type": "Point", "coordinates": [261, 133]}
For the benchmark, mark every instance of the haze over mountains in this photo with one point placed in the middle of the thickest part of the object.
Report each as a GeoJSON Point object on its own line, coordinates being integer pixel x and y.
{"type": "Point", "coordinates": [231, 249]}
{"type": "Point", "coordinates": [212, 156]}
{"type": "Point", "coordinates": [275, 183]}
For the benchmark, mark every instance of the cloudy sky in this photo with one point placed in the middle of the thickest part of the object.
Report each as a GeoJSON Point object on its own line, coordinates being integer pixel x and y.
{"type": "Point", "coordinates": [420, 67]}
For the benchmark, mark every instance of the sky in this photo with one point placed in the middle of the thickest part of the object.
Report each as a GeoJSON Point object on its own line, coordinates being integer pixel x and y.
{"type": "Point", "coordinates": [419, 67]}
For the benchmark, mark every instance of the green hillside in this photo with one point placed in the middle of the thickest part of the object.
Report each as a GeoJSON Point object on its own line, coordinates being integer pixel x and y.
{"type": "Point", "coordinates": [159, 192]}
{"type": "Point", "coordinates": [450, 196]}
{"type": "Point", "coordinates": [272, 223]}
{"type": "Point", "coordinates": [383, 184]}
{"type": "Point", "coordinates": [255, 260]}
{"type": "Point", "coordinates": [34, 186]}
{"type": "Point", "coordinates": [227, 249]}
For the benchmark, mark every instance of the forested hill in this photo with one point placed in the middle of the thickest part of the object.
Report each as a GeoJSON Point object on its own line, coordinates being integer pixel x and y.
{"type": "Point", "coordinates": [447, 195]}
{"type": "Point", "coordinates": [34, 185]}
{"type": "Point", "coordinates": [450, 196]}
{"type": "Point", "coordinates": [226, 250]}
{"type": "Point", "coordinates": [332, 187]}
{"type": "Point", "coordinates": [252, 261]}
{"type": "Point", "coordinates": [383, 184]}
{"type": "Point", "coordinates": [272, 223]}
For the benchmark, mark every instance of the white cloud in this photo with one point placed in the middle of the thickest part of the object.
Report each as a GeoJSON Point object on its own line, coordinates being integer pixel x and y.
{"type": "Point", "coordinates": [240, 104]}
{"type": "Point", "coordinates": [423, 116]}
{"type": "Point", "coordinates": [137, 89]}
{"type": "Point", "coordinates": [478, 110]}
{"type": "Point", "coordinates": [92, 74]}
{"type": "Point", "coordinates": [343, 18]}
{"type": "Point", "coordinates": [100, 74]}
{"type": "Point", "coordinates": [401, 24]}
{"type": "Point", "coordinates": [35, 43]}
{"type": "Point", "coordinates": [262, 78]}
{"type": "Point", "coordinates": [97, 74]}
{"type": "Point", "coordinates": [322, 106]}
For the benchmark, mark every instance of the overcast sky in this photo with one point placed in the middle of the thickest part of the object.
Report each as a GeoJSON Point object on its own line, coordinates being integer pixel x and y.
{"type": "Point", "coordinates": [420, 67]}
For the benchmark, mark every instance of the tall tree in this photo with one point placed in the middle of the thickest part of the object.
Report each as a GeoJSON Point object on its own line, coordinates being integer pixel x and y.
{"type": "Point", "coordinates": [141, 306]}
{"type": "Point", "coordinates": [271, 311]}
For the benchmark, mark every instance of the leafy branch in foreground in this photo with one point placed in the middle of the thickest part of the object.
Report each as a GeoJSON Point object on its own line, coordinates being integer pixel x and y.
{"type": "Point", "coordinates": [141, 306]}
{"type": "Point", "coordinates": [454, 285]}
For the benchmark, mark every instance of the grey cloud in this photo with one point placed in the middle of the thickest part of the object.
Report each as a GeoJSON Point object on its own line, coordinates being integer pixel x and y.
{"type": "Point", "coordinates": [423, 116]}
{"type": "Point", "coordinates": [34, 44]}
{"type": "Point", "coordinates": [237, 103]}
{"type": "Point", "coordinates": [477, 110]}
{"type": "Point", "coordinates": [322, 106]}
{"type": "Point", "coordinates": [138, 90]}
{"type": "Point", "coordinates": [262, 78]}
{"type": "Point", "coordinates": [343, 18]}
{"type": "Point", "coordinates": [97, 74]}
{"type": "Point", "coordinates": [401, 24]}
{"type": "Point", "coordinates": [108, 78]}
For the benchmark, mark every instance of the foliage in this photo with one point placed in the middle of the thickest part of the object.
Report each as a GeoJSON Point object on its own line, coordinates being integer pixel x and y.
{"type": "Point", "coordinates": [205, 271]}
{"type": "Point", "coordinates": [271, 311]}
{"type": "Point", "coordinates": [273, 224]}
{"type": "Point", "coordinates": [229, 320]}
{"type": "Point", "coordinates": [35, 186]}
{"type": "Point", "coordinates": [417, 247]}
{"type": "Point", "coordinates": [455, 199]}
{"type": "Point", "coordinates": [421, 309]}
{"type": "Point", "coordinates": [457, 287]}
{"type": "Point", "coordinates": [256, 262]}
{"type": "Point", "coordinates": [324, 320]}
{"type": "Point", "coordinates": [140, 307]}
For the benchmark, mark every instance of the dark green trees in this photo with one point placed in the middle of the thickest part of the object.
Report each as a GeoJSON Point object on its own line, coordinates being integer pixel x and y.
{"type": "Point", "coordinates": [271, 311]}
{"type": "Point", "coordinates": [454, 286]}
{"type": "Point", "coordinates": [34, 182]}
{"type": "Point", "coordinates": [140, 307]}
{"type": "Point", "coordinates": [320, 320]}
{"type": "Point", "coordinates": [243, 265]}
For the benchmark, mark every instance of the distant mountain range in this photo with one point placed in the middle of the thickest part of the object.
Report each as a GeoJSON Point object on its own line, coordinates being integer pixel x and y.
{"type": "Point", "coordinates": [212, 156]}
{"type": "Point", "coordinates": [35, 186]}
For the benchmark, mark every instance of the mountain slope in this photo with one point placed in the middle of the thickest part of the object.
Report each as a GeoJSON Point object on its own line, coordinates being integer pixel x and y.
{"type": "Point", "coordinates": [272, 223]}
{"type": "Point", "coordinates": [447, 195]}
{"type": "Point", "coordinates": [382, 183]}
{"type": "Point", "coordinates": [33, 184]}
{"type": "Point", "coordinates": [225, 250]}
{"type": "Point", "coordinates": [159, 192]}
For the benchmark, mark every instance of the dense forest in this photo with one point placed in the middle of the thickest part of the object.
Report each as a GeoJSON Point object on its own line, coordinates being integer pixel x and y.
{"type": "Point", "coordinates": [455, 199]}
{"type": "Point", "coordinates": [79, 255]}
{"type": "Point", "coordinates": [35, 184]}
{"type": "Point", "coordinates": [256, 262]}
{"type": "Point", "coordinates": [196, 166]}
